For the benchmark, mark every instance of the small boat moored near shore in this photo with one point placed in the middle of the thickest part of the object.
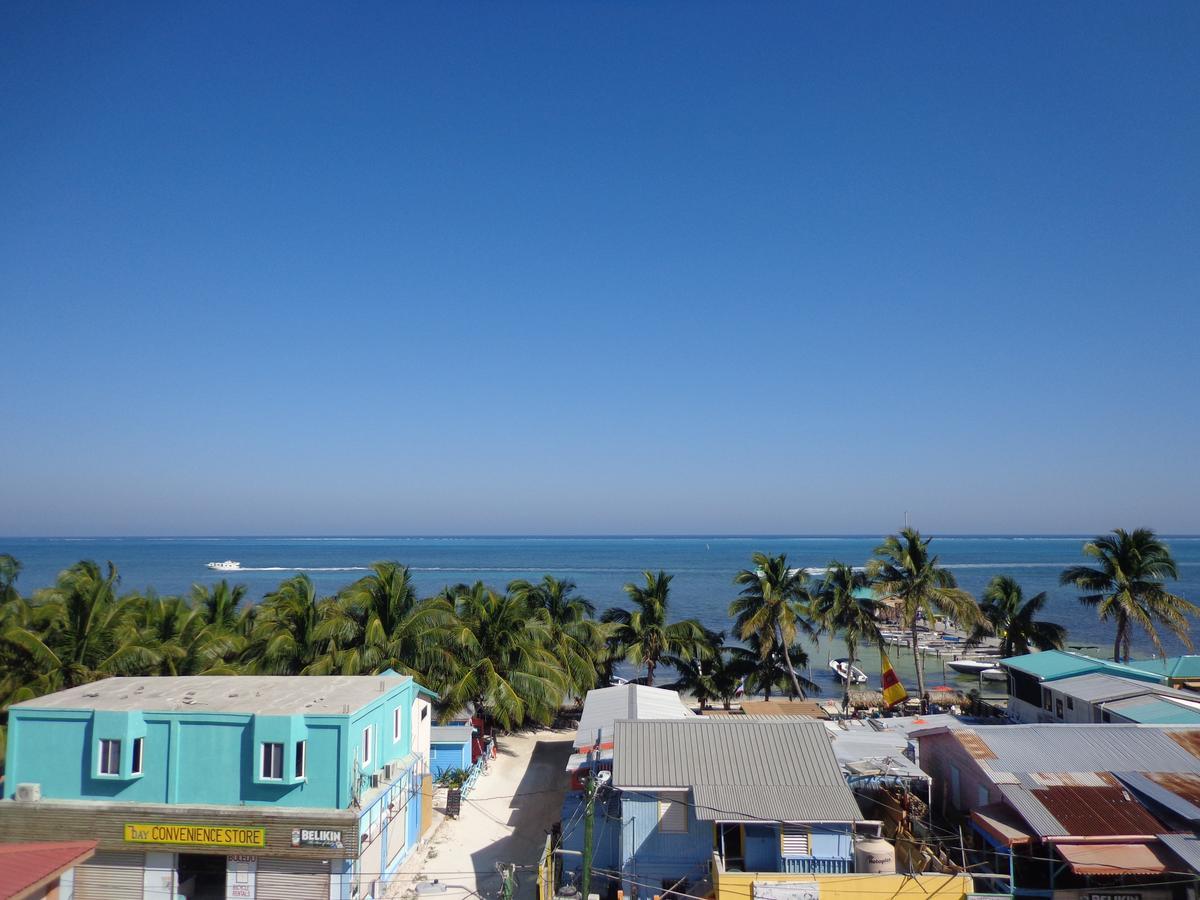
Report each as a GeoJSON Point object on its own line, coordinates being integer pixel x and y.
{"type": "Point", "coordinates": [228, 566]}
{"type": "Point", "coordinates": [840, 667]}
{"type": "Point", "coordinates": [971, 666]}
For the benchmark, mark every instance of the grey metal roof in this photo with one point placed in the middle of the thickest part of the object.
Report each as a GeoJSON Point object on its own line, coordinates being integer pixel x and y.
{"type": "Point", "coordinates": [1097, 687]}
{"type": "Point", "coordinates": [738, 769]}
{"type": "Point", "coordinates": [1163, 794]}
{"type": "Point", "coordinates": [312, 695]}
{"type": "Point", "coordinates": [449, 734]}
{"type": "Point", "coordinates": [1186, 847]}
{"type": "Point", "coordinates": [603, 706]}
{"type": "Point", "coordinates": [1084, 748]}
{"type": "Point", "coordinates": [1031, 809]}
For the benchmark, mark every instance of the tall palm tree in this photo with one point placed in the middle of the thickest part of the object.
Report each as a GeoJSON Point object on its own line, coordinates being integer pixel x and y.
{"type": "Point", "coordinates": [74, 633]}
{"type": "Point", "coordinates": [1127, 586]}
{"type": "Point", "coordinates": [905, 569]}
{"type": "Point", "coordinates": [1008, 615]}
{"type": "Point", "coordinates": [578, 640]}
{"type": "Point", "coordinates": [501, 662]}
{"type": "Point", "coordinates": [287, 637]}
{"type": "Point", "coordinates": [706, 677]}
{"type": "Point", "coordinates": [643, 633]}
{"type": "Point", "coordinates": [844, 607]}
{"type": "Point", "coordinates": [773, 608]}
{"type": "Point", "coordinates": [379, 623]}
{"type": "Point", "coordinates": [10, 569]}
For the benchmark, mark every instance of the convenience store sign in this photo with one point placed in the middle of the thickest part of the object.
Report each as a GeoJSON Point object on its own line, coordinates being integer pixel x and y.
{"type": "Point", "coordinates": [196, 835]}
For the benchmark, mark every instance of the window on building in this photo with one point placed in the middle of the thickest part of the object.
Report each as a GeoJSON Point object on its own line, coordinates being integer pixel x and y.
{"type": "Point", "coordinates": [136, 766]}
{"type": "Point", "coordinates": [301, 753]}
{"type": "Point", "coordinates": [110, 757]}
{"type": "Point", "coordinates": [1070, 703]}
{"type": "Point", "coordinates": [1105, 716]}
{"type": "Point", "coordinates": [424, 713]}
{"type": "Point", "coordinates": [983, 796]}
{"type": "Point", "coordinates": [272, 762]}
{"type": "Point", "coordinates": [368, 738]}
{"type": "Point", "coordinates": [1046, 705]}
{"type": "Point", "coordinates": [397, 724]}
{"type": "Point", "coordinates": [1058, 709]}
{"type": "Point", "coordinates": [795, 840]}
{"type": "Point", "coordinates": [672, 813]}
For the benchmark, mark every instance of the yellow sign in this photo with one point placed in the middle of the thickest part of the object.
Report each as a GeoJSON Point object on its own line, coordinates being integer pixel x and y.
{"type": "Point", "coordinates": [206, 835]}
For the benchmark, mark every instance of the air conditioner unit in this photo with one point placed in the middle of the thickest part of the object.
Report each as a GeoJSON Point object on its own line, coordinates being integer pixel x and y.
{"type": "Point", "coordinates": [375, 780]}
{"type": "Point", "coordinates": [29, 792]}
{"type": "Point", "coordinates": [389, 771]}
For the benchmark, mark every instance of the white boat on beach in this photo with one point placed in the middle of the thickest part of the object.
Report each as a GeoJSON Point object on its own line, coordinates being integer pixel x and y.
{"type": "Point", "coordinates": [840, 667]}
{"type": "Point", "coordinates": [971, 666]}
{"type": "Point", "coordinates": [228, 566]}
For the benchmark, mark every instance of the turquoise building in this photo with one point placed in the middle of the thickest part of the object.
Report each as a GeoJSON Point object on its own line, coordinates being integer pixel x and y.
{"type": "Point", "coordinates": [235, 786]}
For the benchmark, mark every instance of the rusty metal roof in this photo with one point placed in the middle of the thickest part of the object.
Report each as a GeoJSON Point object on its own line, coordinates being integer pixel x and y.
{"type": "Point", "coordinates": [1093, 811]}
{"type": "Point", "coordinates": [1113, 859]}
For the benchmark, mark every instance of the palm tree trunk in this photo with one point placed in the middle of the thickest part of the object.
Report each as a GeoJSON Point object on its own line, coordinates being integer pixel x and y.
{"type": "Point", "coordinates": [1117, 641]}
{"type": "Point", "coordinates": [787, 657]}
{"type": "Point", "coordinates": [918, 662]}
{"type": "Point", "coordinates": [849, 675]}
{"type": "Point", "coordinates": [650, 673]}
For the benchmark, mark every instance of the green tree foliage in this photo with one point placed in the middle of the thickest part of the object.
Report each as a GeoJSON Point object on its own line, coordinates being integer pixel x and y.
{"type": "Point", "coordinates": [773, 608]}
{"type": "Point", "coordinates": [844, 607]}
{"type": "Point", "coordinates": [642, 634]}
{"type": "Point", "coordinates": [1010, 617]}
{"type": "Point", "coordinates": [905, 569]}
{"type": "Point", "coordinates": [1127, 585]}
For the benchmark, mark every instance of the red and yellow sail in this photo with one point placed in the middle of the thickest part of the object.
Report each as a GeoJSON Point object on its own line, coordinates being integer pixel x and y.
{"type": "Point", "coordinates": [893, 690]}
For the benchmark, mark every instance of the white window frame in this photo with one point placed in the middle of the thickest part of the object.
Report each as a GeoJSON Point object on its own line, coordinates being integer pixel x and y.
{"type": "Point", "coordinates": [397, 724]}
{"type": "Point", "coordinates": [301, 761]}
{"type": "Point", "coordinates": [673, 803]}
{"type": "Point", "coordinates": [368, 739]}
{"type": "Point", "coordinates": [109, 751]}
{"type": "Point", "coordinates": [263, 774]}
{"type": "Point", "coordinates": [137, 761]}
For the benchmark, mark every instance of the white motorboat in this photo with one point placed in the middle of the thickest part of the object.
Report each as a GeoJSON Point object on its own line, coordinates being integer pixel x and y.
{"type": "Point", "coordinates": [994, 675]}
{"type": "Point", "coordinates": [840, 667]}
{"type": "Point", "coordinates": [971, 666]}
{"type": "Point", "coordinates": [228, 566]}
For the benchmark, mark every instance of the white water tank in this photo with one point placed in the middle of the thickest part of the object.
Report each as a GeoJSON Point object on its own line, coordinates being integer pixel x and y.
{"type": "Point", "coordinates": [874, 856]}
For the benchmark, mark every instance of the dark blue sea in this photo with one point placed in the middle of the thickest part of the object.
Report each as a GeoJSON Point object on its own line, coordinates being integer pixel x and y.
{"type": "Point", "coordinates": [703, 567]}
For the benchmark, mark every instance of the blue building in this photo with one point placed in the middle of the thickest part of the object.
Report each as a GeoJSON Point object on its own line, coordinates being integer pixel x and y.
{"type": "Point", "coordinates": [692, 795]}
{"type": "Point", "coordinates": [235, 786]}
{"type": "Point", "coordinates": [449, 748]}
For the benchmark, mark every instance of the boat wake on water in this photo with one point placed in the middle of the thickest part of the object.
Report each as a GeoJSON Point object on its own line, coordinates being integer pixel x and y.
{"type": "Point", "coordinates": [231, 566]}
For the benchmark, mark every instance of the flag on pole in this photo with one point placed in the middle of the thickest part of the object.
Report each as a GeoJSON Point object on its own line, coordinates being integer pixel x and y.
{"type": "Point", "coordinates": [893, 690]}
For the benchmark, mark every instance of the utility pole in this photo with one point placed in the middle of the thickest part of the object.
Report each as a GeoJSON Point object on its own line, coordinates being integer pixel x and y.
{"type": "Point", "coordinates": [589, 824]}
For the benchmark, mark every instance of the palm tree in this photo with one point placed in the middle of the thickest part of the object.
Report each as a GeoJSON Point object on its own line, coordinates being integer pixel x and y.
{"type": "Point", "coordinates": [10, 569]}
{"type": "Point", "coordinates": [643, 633]}
{"type": "Point", "coordinates": [500, 661]}
{"type": "Point", "coordinates": [904, 569]}
{"type": "Point", "coordinates": [845, 607]}
{"type": "Point", "coordinates": [1007, 614]}
{"type": "Point", "coordinates": [1127, 585]}
{"type": "Point", "coordinates": [765, 673]}
{"type": "Point", "coordinates": [74, 634]}
{"type": "Point", "coordinates": [379, 623]}
{"type": "Point", "coordinates": [578, 640]}
{"type": "Point", "coordinates": [182, 642]}
{"type": "Point", "coordinates": [287, 637]}
{"type": "Point", "coordinates": [772, 608]}
{"type": "Point", "coordinates": [218, 606]}
{"type": "Point", "coordinates": [706, 677]}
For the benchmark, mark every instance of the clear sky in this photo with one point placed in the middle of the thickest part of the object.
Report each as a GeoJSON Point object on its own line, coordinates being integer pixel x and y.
{"type": "Point", "coordinates": [597, 267]}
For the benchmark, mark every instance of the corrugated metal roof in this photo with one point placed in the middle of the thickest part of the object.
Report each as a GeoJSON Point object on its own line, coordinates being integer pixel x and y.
{"type": "Point", "coordinates": [1030, 809]}
{"type": "Point", "coordinates": [1173, 790]}
{"type": "Point", "coordinates": [1097, 687]}
{"type": "Point", "coordinates": [603, 706]}
{"type": "Point", "coordinates": [1097, 811]}
{"type": "Point", "coordinates": [1083, 748]}
{"type": "Point", "coordinates": [1186, 847]}
{"type": "Point", "coordinates": [1053, 664]}
{"type": "Point", "coordinates": [1154, 711]}
{"type": "Point", "coordinates": [449, 734]}
{"type": "Point", "coordinates": [766, 771]}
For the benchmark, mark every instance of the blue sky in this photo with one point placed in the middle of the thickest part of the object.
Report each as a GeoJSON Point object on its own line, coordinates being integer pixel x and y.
{"type": "Point", "coordinates": [599, 267]}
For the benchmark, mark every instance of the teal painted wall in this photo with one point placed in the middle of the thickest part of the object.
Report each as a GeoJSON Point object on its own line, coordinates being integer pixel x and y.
{"type": "Point", "coordinates": [207, 758]}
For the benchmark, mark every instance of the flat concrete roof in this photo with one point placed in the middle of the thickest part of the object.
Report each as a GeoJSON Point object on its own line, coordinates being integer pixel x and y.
{"type": "Point", "coordinates": [272, 695]}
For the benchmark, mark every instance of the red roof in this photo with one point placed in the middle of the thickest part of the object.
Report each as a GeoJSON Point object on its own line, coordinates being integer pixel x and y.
{"type": "Point", "coordinates": [1088, 811]}
{"type": "Point", "coordinates": [1113, 859]}
{"type": "Point", "coordinates": [30, 865]}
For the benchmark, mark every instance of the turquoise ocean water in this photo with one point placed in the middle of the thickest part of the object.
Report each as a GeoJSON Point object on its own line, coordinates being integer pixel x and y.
{"type": "Point", "coordinates": [703, 567]}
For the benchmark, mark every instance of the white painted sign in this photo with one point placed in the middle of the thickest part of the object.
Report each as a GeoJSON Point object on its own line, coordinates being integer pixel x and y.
{"type": "Point", "coordinates": [787, 890]}
{"type": "Point", "coordinates": [239, 877]}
